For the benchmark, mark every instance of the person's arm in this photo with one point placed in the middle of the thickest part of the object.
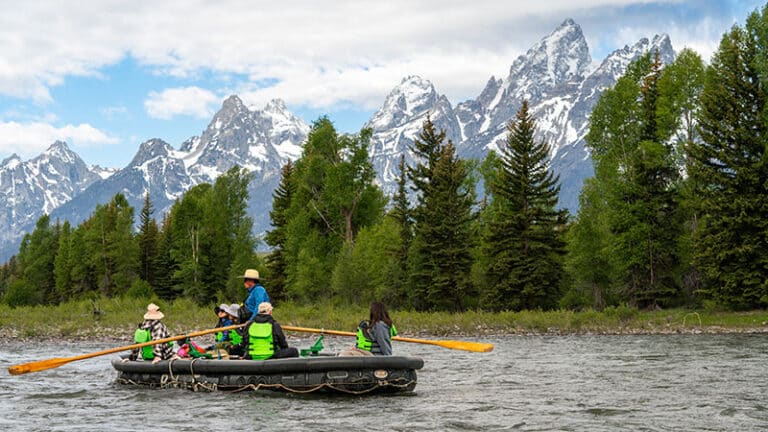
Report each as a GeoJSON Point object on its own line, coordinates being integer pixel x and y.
{"type": "Point", "coordinates": [279, 336]}
{"type": "Point", "coordinates": [251, 302]}
{"type": "Point", "coordinates": [380, 333]}
{"type": "Point", "coordinates": [159, 331]}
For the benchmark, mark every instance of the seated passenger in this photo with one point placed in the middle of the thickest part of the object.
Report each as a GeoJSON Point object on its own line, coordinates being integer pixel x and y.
{"type": "Point", "coordinates": [149, 330]}
{"type": "Point", "coordinates": [264, 338]}
{"type": "Point", "coordinates": [376, 334]}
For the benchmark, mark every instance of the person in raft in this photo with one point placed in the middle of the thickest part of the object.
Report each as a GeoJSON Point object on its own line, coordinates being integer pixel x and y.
{"type": "Point", "coordinates": [375, 335]}
{"type": "Point", "coordinates": [228, 315]}
{"type": "Point", "coordinates": [256, 294]}
{"type": "Point", "coordinates": [264, 337]}
{"type": "Point", "coordinates": [152, 329]}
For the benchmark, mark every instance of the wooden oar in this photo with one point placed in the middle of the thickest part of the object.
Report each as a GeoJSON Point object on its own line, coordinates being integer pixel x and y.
{"type": "Point", "coordinates": [40, 365]}
{"type": "Point", "coordinates": [452, 344]}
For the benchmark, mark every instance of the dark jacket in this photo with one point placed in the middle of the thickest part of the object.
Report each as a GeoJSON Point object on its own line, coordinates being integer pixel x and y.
{"type": "Point", "coordinates": [278, 337]}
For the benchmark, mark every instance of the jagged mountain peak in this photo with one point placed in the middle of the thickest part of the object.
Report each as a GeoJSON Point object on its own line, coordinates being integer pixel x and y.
{"type": "Point", "coordinates": [233, 103]}
{"type": "Point", "coordinates": [560, 56]}
{"type": "Point", "coordinates": [276, 105]}
{"type": "Point", "coordinates": [11, 161]}
{"type": "Point", "coordinates": [616, 62]}
{"type": "Point", "coordinates": [149, 150]}
{"type": "Point", "coordinates": [414, 96]}
{"type": "Point", "coordinates": [232, 109]}
{"type": "Point", "coordinates": [61, 151]}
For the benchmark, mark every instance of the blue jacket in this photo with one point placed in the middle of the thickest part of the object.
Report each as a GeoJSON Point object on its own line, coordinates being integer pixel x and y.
{"type": "Point", "coordinates": [256, 295]}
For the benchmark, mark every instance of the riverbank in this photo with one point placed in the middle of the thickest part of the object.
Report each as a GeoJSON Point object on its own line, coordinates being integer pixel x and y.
{"type": "Point", "coordinates": [116, 319]}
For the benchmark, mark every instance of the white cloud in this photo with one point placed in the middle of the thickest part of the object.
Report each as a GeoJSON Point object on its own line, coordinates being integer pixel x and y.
{"type": "Point", "coordinates": [30, 139]}
{"type": "Point", "coordinates": [319, 53]}
{"type": "Point", "coordinates": [43, 42]}
{"type": "Point", "coordinates": [192, 101]}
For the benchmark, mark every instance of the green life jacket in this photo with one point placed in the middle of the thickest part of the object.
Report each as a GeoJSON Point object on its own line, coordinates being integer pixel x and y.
{"type": "Point", "coordinates": [260, 343]}
{"type": "Point", "coordinates": [142, 336]}
{"type": "Point", "coordinates": [364, 342]}
{"type": "Point", "coordinates": [235, 337]}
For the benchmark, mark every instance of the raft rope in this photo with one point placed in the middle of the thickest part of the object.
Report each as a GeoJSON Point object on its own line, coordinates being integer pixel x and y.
{"type": "Point", "coordinates": [194, 385]}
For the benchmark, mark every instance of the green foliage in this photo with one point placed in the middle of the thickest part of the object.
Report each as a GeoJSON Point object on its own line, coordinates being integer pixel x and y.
{"type": "Point", "coordinates": [370, 269]}
{"type": "Point", "coordinates": [589, 261]}
{"type": "Point", "coordinates": [140, 289]}
{"type": "Point", "coordinates": [629, 218]}
{"type": "Point", "coordinates": [522, 241]}
{"type": "Point", "coordinates": [334, 198]}
{"type": "Point", "coordinates": [277, 237]}
{"type": "Point", "coordinates": [730, 171]}
{"type": "Point", "coordinates": [37, 254]}
{"type": "Point", "coordinates": [22, 293]}
{"type": "Point", "coordinates": [147, 240]}
{"type": "Point", "coordinates": [440, 258]}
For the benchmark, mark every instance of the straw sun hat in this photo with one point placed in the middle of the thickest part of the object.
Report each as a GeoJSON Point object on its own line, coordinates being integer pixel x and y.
{"type": "Point", "coordinates": [153, 312]}
{"type": "Point", "coordinates": [251, 274]}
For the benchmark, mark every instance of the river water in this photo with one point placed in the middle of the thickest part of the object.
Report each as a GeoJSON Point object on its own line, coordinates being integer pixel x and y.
{"type": "Point", "coordinates": [528, 383]}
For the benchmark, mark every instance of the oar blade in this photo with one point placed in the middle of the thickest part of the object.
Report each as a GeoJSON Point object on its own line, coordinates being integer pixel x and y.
{"type": "Point", "coordinates": [37, 366]}
{"type": "Point", "coordinates": [465, 345]}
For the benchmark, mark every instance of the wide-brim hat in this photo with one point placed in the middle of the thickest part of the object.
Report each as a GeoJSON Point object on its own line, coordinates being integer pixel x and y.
{"type": "Point", "coordinates": [153, 312]}
{"type": "Point", "coordinates": [220, 308]}
{"type": "Point", "coordinates": [232, 309]}
{"type": "Point", "coordinates": [250, 274]}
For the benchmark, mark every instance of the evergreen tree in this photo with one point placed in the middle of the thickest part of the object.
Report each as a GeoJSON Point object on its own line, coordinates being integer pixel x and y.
{"type": "Point", "coordinates": [276, 238]}
{"type": "Point", "coordinates": [440, 257]}
{"type": "Point", "coordinates": [164, 263]}
{"type": "Point", "coordinates": [37, 254]}
{"type": "Point", "coordinates": [730, 166]}
{"type": "Point", "coordinates": [400, 214]}
{"type": "Point", "coordinates": [523, 239]}
{"type": "Point", "coordinates": [147, 240]}
{"type": "Point", "coordinates": [63, 265]}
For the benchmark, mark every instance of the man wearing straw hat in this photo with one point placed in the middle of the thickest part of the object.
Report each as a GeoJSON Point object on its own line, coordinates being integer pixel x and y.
{"type": "Point", "coordinates": [256, 293]}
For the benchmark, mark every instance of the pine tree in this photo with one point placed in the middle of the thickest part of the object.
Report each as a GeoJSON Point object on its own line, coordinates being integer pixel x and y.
{"type": "Point", "coordinates": [729, 165]}
{"type": "Point", "coordinates": [440, 257]}
{"type": "Point", "coordinates": [523, 239]}
{"type": "Point", "coordinates": [401, 215]}
{"type": "Point", "coordinates": [147, 240]}
{"type": "Point", "coordinates": [276, 238]}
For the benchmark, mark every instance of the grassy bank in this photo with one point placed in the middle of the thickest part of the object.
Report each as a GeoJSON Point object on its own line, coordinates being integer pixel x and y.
{"type": "Point", "coordinates": [117, 319]}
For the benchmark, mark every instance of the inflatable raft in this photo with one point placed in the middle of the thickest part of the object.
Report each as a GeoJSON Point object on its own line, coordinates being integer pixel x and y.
{"type": "Point", "coordinates": [323, 373]}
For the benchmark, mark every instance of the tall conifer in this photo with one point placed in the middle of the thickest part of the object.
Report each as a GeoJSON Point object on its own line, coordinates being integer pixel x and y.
{"type": "Point", "coordinates": [523, 240]}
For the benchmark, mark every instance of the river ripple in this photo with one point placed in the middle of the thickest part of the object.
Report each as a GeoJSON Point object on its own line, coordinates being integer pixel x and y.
{"type": "Point", "coordinates": [528, 383]}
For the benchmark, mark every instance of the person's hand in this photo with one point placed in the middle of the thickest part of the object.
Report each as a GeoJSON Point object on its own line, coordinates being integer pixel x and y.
{"type": "Point", "coordinates": [156, 360]}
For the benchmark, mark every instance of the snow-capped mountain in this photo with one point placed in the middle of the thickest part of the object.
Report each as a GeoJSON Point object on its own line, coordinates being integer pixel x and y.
{"type": "Point", "coordinates": [556, 75]}
{"type": "Point", "coordinates": [59, 183]}
{"type": "Point", "coordinates": [38, 186]}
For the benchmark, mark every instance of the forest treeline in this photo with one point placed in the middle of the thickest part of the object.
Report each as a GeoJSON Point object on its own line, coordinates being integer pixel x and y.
{"type": "Point", "coordinates": [675, 215]}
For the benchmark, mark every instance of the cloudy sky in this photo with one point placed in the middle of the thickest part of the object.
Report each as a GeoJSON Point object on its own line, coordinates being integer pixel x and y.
{"type": "Point", "coordinates": [106, 75]}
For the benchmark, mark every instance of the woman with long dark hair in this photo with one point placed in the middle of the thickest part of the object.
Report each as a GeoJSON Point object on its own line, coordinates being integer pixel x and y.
{"type": "Point", "coordinates": [380, 329]}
